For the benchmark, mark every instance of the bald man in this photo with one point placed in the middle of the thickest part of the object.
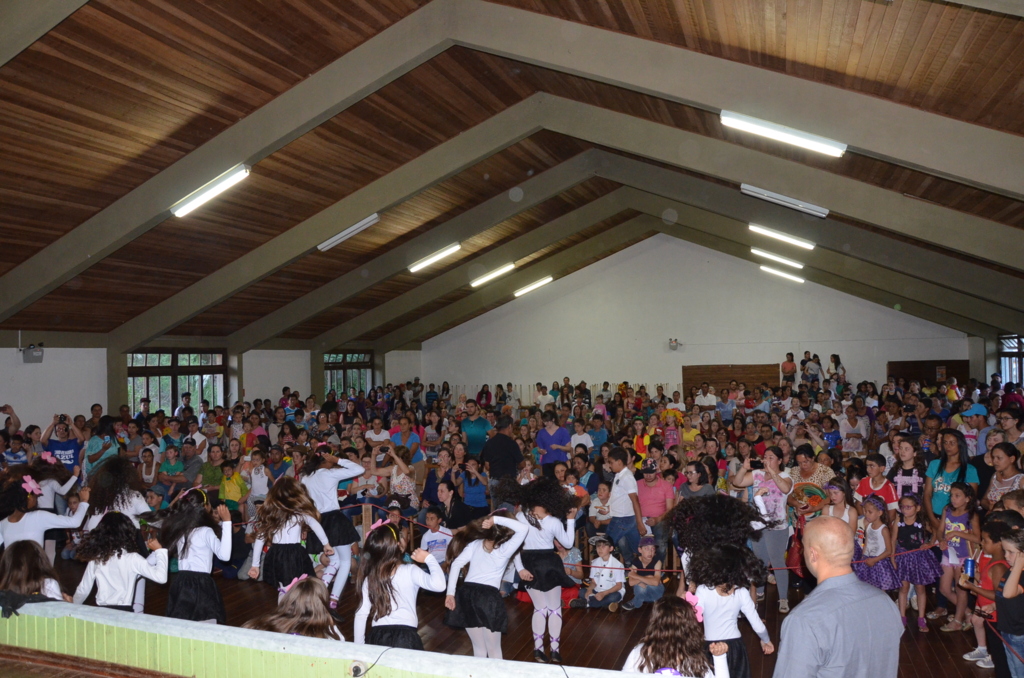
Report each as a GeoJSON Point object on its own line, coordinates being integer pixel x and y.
{"type": "Point", "coordinates": [844, 628]}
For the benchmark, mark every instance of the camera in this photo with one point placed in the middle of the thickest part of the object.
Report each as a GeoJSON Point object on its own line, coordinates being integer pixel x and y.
{"type": "Point", "coordinates": [756, 464]}
{"type": "Point", "coordinates": [62, 419]}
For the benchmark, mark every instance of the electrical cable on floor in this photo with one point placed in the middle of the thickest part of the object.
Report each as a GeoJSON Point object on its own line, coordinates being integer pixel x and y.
{"type": "Point", "coordinates": [370, 667]}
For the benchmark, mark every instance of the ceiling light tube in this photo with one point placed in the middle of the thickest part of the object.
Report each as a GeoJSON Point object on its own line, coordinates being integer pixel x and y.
{"type": "Point", "coordinates": [210, 190]}
{"type": "Point", "coordinates": [799, 242]}
{"type": "Point", "coordinates": [781, 274]}
{"type": "Point", "coordinates": [784, 200]}
{"type": "Point", "coordinates": [788, 135]}
{"type": "Point", "coordinates": [435, 257]}
{"type": "Point", "coordinates": [492, 275]}
{"type": "Point", "coordinates": [776, 257]}
{"type": "Point", "coordinates": [532, 286]}
{"type": "Point", "coordinates": [349, 232]}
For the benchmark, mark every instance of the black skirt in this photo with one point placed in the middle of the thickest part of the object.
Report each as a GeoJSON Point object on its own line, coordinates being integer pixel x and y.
{"type": "Point", "coordinates": [285, 562]}
{"type": "Point", "coordinates": [122, 608]}
{"type": "Point", "coordinates": [395, 635]}
{"type": "Point", "coordinates": [195, 596]}
{"type": "Point", "coordinates": [478, 606]}
{"type": "Point", "coordinates": [736, 657]}
{"type": "Point", "coordinates": [339, 530]}
{"type": "Point", "coordinates": [547, 569]}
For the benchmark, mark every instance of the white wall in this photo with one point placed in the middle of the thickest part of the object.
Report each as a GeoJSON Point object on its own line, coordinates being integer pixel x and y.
{"type": "Point", "coordinates": [402, 366]}
{"type": "Point", "coordinates": [612, 321]}
{"type": "Point", "coordinates": [266, 372]}
{"type": "Point", "coordinates": [68, 381]}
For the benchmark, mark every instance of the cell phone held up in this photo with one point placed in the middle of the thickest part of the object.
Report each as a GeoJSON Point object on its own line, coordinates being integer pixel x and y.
{"type": "Point", "coordinates": [756, 465]}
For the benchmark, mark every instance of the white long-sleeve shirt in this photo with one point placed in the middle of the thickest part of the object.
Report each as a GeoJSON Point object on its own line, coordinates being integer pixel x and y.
{"type": "Point", "coordinates": [131, 505]}
{"type": "Point", "coordinates": [51, 589]}
{"type": "Point", "coordinates": [407, 582]}
{"type": "Point", "coordinates": [720, 670]}
{"type": "Point", "coordinates": [721, 612]}
{"type": "Point", "coordinates": [203, 545]}
{"type": "Point", "coordinates": [322, 484]}
{"type": "Point", "coordinates": [51, 488]}
{"type": "Point", "coordinates": [487, 567]}
{"type": "Point", "coordinates": [115, 579]}
{"type": "Point", "coordinates": [34, 524]}
{"type": "Point", "coordinates": [543, 538]}
{"type": "Point", "coordinates": [291, 533]}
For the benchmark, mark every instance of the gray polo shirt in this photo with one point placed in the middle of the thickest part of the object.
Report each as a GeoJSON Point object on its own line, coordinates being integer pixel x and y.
{"type": "Point", "coordinates": [845, 628]}
{"type": "Point", "coordinates": [192, 468]}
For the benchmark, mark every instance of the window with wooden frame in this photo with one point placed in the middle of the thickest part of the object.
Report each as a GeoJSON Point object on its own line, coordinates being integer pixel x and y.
{"type": "Point", "coordinates": [344, 371]}
{"type": "Point", "coordinates": [163, 376]}
{"type": "Point", "coordinates": [1011, 357]}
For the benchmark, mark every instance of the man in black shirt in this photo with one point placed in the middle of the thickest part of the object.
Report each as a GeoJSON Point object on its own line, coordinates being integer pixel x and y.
{"type": "Point", "coordinates": [501, 456]}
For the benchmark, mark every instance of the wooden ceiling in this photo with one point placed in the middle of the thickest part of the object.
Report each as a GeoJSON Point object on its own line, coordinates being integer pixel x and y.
{"type": "Point", "coordinates": [121, 90]}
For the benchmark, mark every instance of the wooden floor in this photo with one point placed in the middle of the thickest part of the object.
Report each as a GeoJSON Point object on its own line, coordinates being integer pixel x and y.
{"type": "Point", "coordinates": [592, 638]}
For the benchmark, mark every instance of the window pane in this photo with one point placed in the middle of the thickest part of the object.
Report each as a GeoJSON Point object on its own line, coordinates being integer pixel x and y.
{"type": "Point", "coordinates": [218, 359]}
{"type": "Point", "coordinates": [165, 360]}
{"type": "Point", "coordinates": [166, 398]}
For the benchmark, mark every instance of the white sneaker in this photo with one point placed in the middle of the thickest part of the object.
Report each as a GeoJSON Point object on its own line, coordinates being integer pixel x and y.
{"type": "Point", "coordinates": [986, 663]}
{"type": "Point", "coordinates": [976, 655]}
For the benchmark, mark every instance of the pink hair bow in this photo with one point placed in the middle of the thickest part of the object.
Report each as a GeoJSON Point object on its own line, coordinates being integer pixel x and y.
{"type": "Point", "coordinates": [697, 609]}
{"type": "Point", "coordinates": [295, 581]}
{"type": "Point", "coordinates": [30, 485]}
{"type": "Point", "coordinates": [48, 458]}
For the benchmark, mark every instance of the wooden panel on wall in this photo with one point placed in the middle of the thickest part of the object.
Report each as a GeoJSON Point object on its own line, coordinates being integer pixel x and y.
{"type": "Point", "coordinates": [719, 376]}
{"type": "Point", "coordinates": [930, 371]}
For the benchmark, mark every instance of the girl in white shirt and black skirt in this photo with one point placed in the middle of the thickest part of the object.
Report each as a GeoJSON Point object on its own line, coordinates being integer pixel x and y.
{"type": "Point", "coordinates": [279, 522]}
{"type": "Point", "coordinates": [486, 545]}
{"type": "Point", "coordinates": [195, 538]}
{"type": "Point", "coordinates": [389, 587]}
{"type": "Point", "coordinates": [116, 563]}
{"type": "Point", "coordinates": [321, 474]}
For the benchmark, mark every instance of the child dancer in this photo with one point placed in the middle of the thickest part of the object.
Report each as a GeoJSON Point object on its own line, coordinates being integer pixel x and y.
{"type": "Point", "coordinates": [115, 562]}
{"type": "Point", "coordinates": [279, 522]}
{"type": "Point", "coordinates": [53, 479]}
{"type": "Point", "coordinates": [672, 643]}
{"type": "Point", "coordinates": [302, 611]}
{"type": "Point", "coordinates": [18, 501]}
{"type": "Point", "coordinates": [25, 569]}
{"type": "Point", "coordinates": [195, 538]}
{"type": "Point", "coordinates": [991, 568]}
{"type": "Point", "coordinates": [876, 568]}
{"type": "Point", "coordinates": [388, 589]}
{"type": "Point", "coordinates": [486, 545]}
{"type": "Point", "coordinates": [919, 568]}
{"type": "Point", "coordinates": [720, 577]}
{"type": "Point", "coordinates": [960, 526]}
{"type": "Point", "coordinates": [321, 475]}
{"type": "Point", "coordinates": [543, 505]}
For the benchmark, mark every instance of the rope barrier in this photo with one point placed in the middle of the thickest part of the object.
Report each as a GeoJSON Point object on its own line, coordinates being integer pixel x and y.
{"type": "Point", "coordinates": [1000, 637]}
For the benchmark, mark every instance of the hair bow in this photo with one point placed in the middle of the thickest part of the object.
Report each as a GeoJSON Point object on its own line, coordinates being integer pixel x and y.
{"type": "Point", "coordinates": [286, 589]}
{"type": "Point", "coordinates": [697, 608]}
{"type": "Point", "coordinates": [48, 458]}
{"type": "Point", "coordinates": [30, 485]}
{"type": "Point", "coordinates": [384, 523]}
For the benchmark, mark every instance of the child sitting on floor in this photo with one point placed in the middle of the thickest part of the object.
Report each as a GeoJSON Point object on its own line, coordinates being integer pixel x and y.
{"type": "Point", "coordinates": [607, 578]}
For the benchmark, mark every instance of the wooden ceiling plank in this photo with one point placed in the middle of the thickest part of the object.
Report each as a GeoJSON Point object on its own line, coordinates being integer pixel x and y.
{"type": "Point", "coordinates": [462, 227]}
{"type": "Point", "coordinates": [318, 98]}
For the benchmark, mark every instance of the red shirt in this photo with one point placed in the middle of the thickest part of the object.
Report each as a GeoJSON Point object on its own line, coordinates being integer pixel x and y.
{"type": "Point", "coordinates": [886, 492]}
{"type": "Point", "coordinates": [653, 498]}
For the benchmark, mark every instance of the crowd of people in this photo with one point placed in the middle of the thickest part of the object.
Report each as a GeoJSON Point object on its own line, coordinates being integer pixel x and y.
{"type": "Point", "coordinates": [573, 495]}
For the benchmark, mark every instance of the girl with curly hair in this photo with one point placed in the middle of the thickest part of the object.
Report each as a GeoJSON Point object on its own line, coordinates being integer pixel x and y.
{"type": "Point", "coordinates": [388, 589]}
{"type": "Point", "coordinates": [302, 611]}
{"type": "Point", "coordinates": [19, 497]}
{"type": "Point", "coordinates": [279, 522]}
{"type": "Point", "coordinates": [672, 642]}
{"type": "Point", "coordinates": [549, 512]}
{"type": "Point", "coordinates": [195, 538]}
{"type": "Point", "coordinates": [25, 569]}
{"type": "Point", "coordinates": [720, 577]}
{"type": "Point", "coordinates": [116, 486]}
{"type": "Point", "coordinates": [321, 474]}
{"type": "Point", "coordinates": [116, 561]}
{"type": "Point", "coordinates": [486, 545]}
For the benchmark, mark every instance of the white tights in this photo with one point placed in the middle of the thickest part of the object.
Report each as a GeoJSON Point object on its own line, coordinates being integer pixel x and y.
{"type": "Point", "coordinates": [486, 643]}
{"type": "Point", "coordinates": [343, 554]}
{"type": "Point", "coordinates": [547, 611]}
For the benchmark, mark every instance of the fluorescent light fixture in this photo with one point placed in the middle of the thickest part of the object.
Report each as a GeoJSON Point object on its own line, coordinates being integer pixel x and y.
{"type": "Point", "coordinates": [781, 274]}
{"type": "Point", "coordinates": [534, 285]}
{"type": "Point", "coordinates": [776, 257]}
{"type": "Point", "coordinates": [349, 232]}
{"type": "Point", "coordinates": [210, 190]}
{"type": "Point", "coordinates": [799, 242]}
{"type": "Point", "coordinates": [784, 200]}
{"type": "Point", "coordinates": [435, 257]}
{"type": "Point", "coordinates": [493, 274]}
{"type": "Point", "coordinates": [812, 142]}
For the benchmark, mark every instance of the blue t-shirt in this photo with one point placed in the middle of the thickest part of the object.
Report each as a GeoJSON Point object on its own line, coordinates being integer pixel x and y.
{"type": "Point", "coordinates": [545, 440]}
{"type": "Point", "coordinates": [94, 445]}
{"type": "Point", "coordinates": [476, 434]}
{"type": "Point", "coordinates": [474, 495]}
{"type": "Point", "coordinates": [66, 452]}
{"type": "Point", "coordinates": [414, 439]}
{"type": "Point", "coordinates": [19, 457]}
{"type": "Point", "coordinates": [941, 483]}
{"type": "Point", "coordinates": [599, 436]}
{"type": "Point", "coordinates": [726, 409]}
